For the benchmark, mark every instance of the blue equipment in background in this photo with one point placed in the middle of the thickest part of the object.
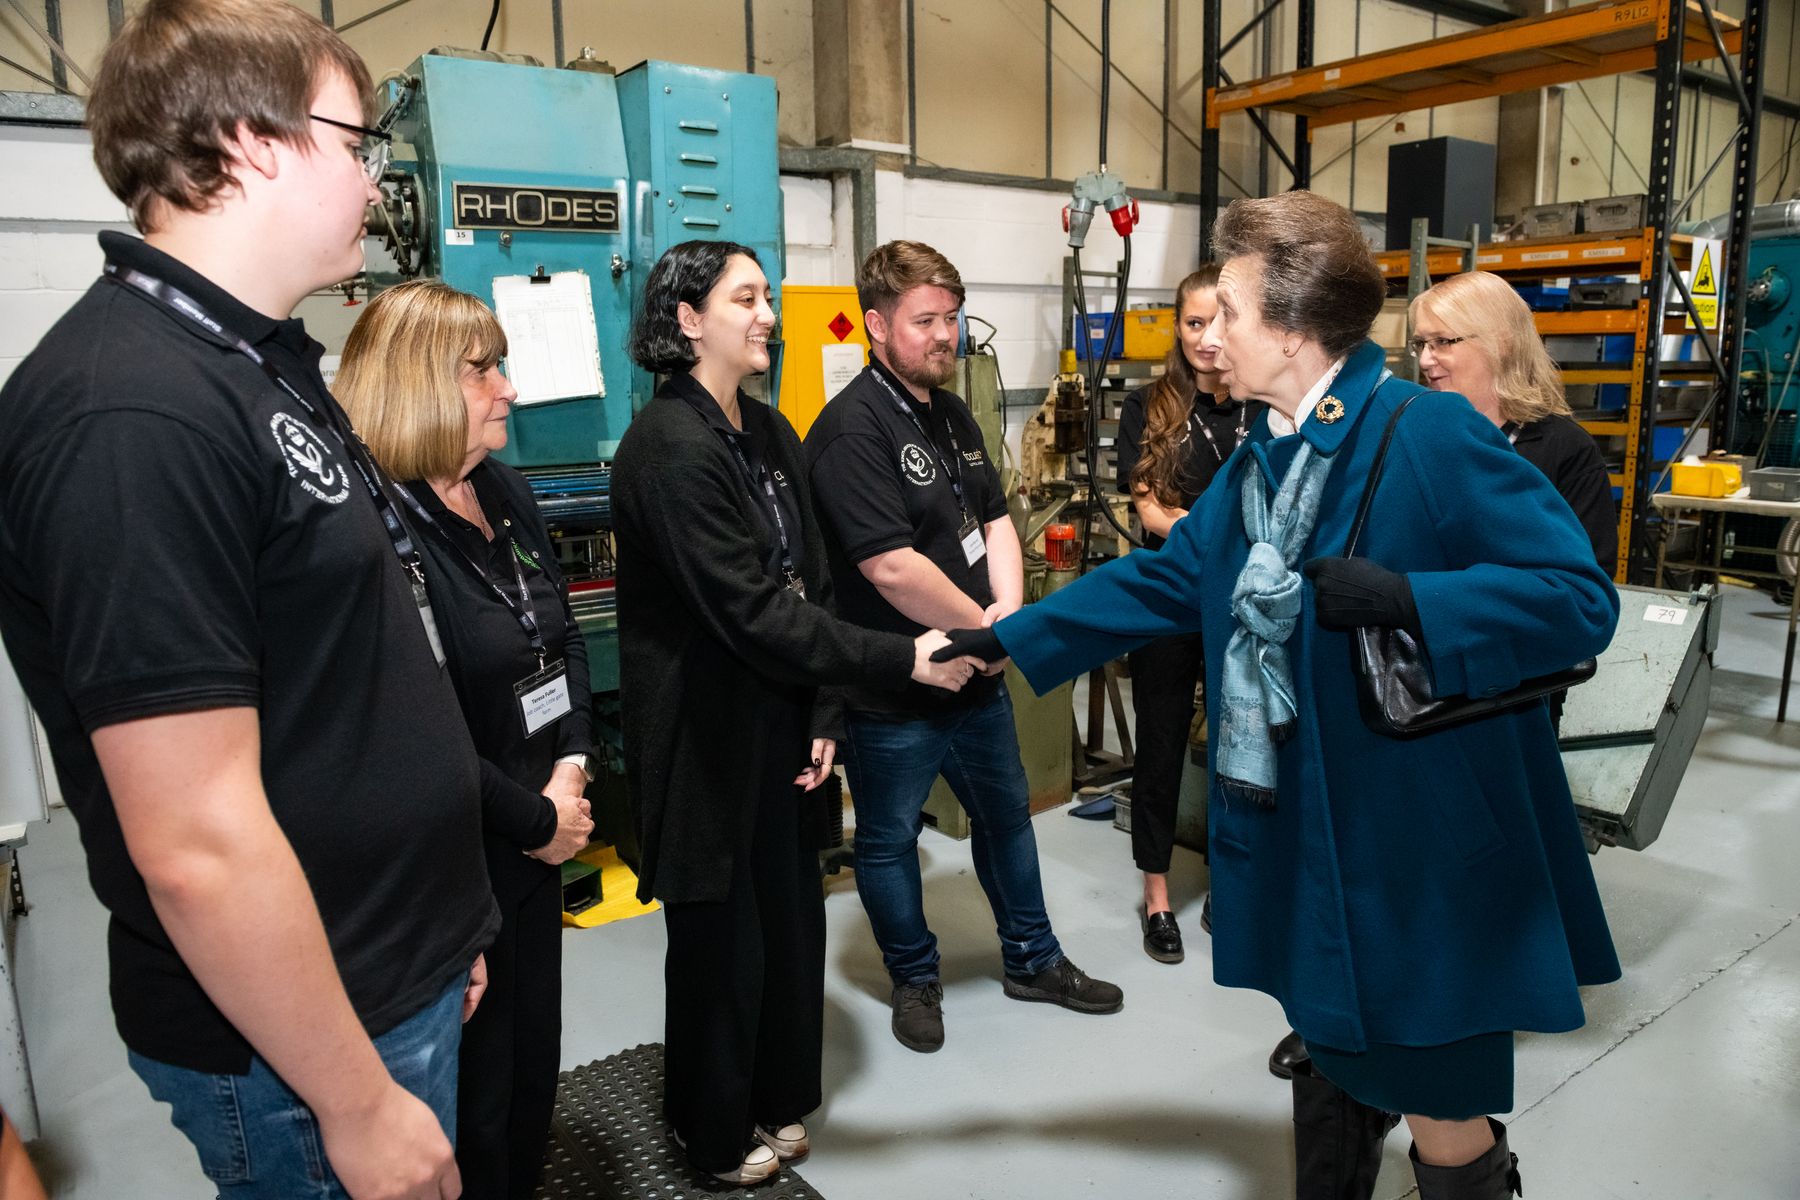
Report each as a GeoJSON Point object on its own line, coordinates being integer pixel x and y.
{"type": "Point", "coordinates": [508, 172]}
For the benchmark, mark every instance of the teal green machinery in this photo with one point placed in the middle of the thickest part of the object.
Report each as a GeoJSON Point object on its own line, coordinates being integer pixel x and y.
{"type": "Point", "coordinates": [507, 172]}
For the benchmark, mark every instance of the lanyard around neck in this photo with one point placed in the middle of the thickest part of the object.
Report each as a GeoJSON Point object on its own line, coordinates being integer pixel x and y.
{"type": "Point", "coordinates": [953, 473]}
{"type": "Point", "coordinates": [772, 502]}
{"type": "Point", "coordinates": [1199, 422]}
{"type": "Point", "coordinates": [522, 609]}
{"type": "Point", "coordinates": [183, 305]}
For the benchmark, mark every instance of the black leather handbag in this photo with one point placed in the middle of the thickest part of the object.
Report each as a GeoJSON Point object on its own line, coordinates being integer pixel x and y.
{"type": "Point", "coordinates": [1393, 679]}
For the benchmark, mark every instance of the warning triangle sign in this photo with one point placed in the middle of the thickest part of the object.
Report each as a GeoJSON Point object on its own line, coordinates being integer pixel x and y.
{"type": "Point", "coordinates": [1705, 282]}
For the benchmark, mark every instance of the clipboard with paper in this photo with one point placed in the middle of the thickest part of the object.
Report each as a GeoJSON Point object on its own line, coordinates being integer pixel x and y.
{"type": "Point", "coordinates": [553, 344]}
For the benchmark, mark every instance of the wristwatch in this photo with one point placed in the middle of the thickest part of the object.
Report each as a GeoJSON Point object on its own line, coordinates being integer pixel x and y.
{"type": "Point", "coordinates": [584, 761]}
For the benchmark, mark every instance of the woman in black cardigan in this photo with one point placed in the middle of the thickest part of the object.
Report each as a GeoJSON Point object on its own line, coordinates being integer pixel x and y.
{"type": "Point", "coordinates": [422, 384]}
{"type": "Point", "coordinates": [725, 638]}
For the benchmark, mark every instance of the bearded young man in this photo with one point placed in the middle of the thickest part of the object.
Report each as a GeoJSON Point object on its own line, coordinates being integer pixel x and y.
{"type": "Point", "coordinates": [916, 525]}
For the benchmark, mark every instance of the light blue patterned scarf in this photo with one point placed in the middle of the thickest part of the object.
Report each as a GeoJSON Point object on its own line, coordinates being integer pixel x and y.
{"type": "Point", "coordinates": [1257, 707]}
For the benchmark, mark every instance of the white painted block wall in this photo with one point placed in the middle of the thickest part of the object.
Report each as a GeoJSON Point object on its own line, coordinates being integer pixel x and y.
{"type": "Point", "coordinates": [52, 208]}
{"type": "Point", "coordinates": [1009, 246]}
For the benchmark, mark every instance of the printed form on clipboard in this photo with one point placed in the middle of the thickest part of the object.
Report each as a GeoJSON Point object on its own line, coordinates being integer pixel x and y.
{"type": "Point", "coordinates": [552, 344]}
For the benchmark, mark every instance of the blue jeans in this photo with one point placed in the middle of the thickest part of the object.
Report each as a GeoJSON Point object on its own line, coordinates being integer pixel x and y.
{"type": "Point", "coordinates": [258, 1140]}
{"type": "Point", "coordinates": [891, 766]}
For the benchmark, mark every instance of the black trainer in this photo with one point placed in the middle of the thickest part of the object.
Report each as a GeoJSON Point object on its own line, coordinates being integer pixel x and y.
{"type": "Point", "coordinates": [919, 1015]}
{"type": "Point", "coordinates": [1064, 983]}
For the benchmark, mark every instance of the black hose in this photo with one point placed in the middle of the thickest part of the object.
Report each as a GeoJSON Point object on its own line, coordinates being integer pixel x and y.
{"type": "Point", "coordinates": [1096, 374]}
{"type": "Point", "coordinates": [493, 16]}
{"type": "Point", "coordinates": [1105, 73]}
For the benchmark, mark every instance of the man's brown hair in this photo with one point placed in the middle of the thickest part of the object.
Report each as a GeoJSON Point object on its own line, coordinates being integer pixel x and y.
{"type": "Point", "coordinates": [183, 75]}
{"type": "Point", "coordinates": [896, 268]}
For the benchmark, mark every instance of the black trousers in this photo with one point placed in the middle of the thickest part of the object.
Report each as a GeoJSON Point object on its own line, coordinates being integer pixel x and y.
{"type": "Point", "coordinates": [744, 1022]}
{"type": "Point", "coordinates": [512, 1046]}
{"type": "Point", "coordinates": [1163, 677]}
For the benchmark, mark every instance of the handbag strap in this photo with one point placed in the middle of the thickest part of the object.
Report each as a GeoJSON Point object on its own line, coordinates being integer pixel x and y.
{"type": "Point", "coordinates": [1368, 496]}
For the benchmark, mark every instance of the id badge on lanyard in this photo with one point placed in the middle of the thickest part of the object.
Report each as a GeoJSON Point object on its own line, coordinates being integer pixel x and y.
{"type": "Point", "coordinates": [974, 546]}
{"type": "Point", "coordinates": [429, 620]}
{"type": "Point", "coordinates": [543, 696]}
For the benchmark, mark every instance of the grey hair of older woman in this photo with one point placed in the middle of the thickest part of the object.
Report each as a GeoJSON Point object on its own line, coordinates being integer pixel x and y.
{"type": "Point", "coordinates": [1319, 278]}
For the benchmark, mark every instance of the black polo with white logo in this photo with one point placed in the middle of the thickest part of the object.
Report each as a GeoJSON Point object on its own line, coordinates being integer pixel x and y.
{"type": "Point", "coordinates": [178, 534]}
{"type": "Point", "coordinates": [879, 486]}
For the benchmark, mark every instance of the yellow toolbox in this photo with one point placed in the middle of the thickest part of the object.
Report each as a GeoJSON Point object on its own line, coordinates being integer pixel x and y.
{"type": "Point", "coordinates": [1149, 332]}
{"type": "Point", "coordinates": [1705, 479]}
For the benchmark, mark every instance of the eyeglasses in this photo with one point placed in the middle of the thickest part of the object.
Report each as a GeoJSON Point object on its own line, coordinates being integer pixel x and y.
{"type": "Point", "coordinates": [1438, 344]}
{"type": "Point", "coordinates": [374, 149]}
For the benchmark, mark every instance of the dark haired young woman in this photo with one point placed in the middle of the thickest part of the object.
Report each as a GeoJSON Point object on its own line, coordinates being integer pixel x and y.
{"type": "Point", "coordinates": [1174, 435]}
{"type": "Point", "coordinates": [725, 638]}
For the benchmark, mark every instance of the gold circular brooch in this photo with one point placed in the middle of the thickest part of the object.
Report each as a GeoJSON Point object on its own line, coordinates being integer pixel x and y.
{"type": "Point", "coordinates": [1329, 410]}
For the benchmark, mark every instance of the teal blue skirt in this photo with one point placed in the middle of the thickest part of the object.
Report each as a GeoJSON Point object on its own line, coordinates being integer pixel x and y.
{"type": "Point", "coordinates": [1453, 1082]}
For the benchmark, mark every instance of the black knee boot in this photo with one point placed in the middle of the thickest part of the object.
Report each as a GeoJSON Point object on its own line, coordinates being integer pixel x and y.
{"type": "Point", "coordinates": [1493, 1176]}
{"type": "Point", "coordinates": [1337, 1141]}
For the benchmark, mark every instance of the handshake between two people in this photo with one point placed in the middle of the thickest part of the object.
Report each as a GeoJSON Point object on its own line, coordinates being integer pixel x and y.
{"type": "Point", "coordinates": [950, 659]}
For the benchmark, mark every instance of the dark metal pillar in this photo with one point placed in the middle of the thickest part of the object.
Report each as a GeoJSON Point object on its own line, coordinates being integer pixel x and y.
{"type": "Point", "coordinates": [1743, 203]}
{"type": "Point", "coordinates": [53, 25]}
{"type": "Point", "coordinates": [1664, 136]}
{"type": "Point", "coordinates": [1209, 132]}
{"type": "Point", "coordinates": [1303, 59]}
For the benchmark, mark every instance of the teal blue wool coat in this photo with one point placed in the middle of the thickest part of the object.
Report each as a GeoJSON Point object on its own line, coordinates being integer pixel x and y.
{"type": "Point", "coordinates": [1409, 892]}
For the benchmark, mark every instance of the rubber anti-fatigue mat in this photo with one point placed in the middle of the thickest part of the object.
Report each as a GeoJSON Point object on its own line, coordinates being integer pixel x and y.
{"type": "Point", "coordinates": [608, 1140]}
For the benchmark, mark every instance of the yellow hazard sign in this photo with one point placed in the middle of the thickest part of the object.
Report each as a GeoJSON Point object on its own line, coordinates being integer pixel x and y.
{"type": "Point", "coordinates": [1703, 284]}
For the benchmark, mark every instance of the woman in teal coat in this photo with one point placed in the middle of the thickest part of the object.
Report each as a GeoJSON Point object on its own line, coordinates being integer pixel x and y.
{"type": "Point", "coordinates": [1412, 902]}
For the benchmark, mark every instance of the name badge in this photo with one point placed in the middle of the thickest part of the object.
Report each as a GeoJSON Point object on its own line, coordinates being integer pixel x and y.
{"type": "Point", "coordinates": [543, 697]}
{"type": "Point", "coordinates": [974, 546]}
{"type": "Point", "coordinates": [429, 620]}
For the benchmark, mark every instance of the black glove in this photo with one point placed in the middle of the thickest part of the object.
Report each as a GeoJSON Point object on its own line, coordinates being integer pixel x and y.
{"type": "Point", "coordinates": [1351, 592]}
{"type": "Point", "coordinates": [976, 643]}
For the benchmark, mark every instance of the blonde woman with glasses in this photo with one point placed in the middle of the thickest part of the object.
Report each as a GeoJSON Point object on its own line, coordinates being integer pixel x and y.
{"type": "Point", "coordinates": [1472, 334]}
{"type": "Point", "coordinates": [422, 382]}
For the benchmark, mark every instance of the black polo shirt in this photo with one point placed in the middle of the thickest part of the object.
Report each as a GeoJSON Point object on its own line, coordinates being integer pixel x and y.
{"type": "Point", "coordinates": [1226, 420]}
{"type": "Point", "coordinates": [878, 486]}
{"type": "Point", "coordinates": [178, 534]}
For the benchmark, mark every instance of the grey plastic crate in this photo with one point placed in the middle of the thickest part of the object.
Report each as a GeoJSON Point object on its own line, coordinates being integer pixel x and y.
{"type": "Point", "coordinates": [1775, 483]}
{"type": "Point", "coordinates": [1551, 220]}
{"type": "Point", "coordinates": [1613, 214]}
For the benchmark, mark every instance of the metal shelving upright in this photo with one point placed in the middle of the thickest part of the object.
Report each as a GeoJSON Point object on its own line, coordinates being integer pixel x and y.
{"type": "Point", "coordinates": [1586, 42]}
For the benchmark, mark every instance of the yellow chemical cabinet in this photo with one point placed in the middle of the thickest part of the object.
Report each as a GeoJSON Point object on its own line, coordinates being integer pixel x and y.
{"type": "Point", "coordinates": [824, 345]}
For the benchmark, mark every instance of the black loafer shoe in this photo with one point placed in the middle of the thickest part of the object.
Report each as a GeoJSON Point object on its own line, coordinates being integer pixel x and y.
{"type": "Point", "coordinates": [1162, 938]}
{"type": "Point", "coordinates": [1289, 1056]}
{"type": "Point", "coordinates": [1206, 913]}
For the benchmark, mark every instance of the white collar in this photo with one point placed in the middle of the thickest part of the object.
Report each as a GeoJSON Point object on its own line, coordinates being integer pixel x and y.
{"type": "Point", "coordinates": [1280, 426]}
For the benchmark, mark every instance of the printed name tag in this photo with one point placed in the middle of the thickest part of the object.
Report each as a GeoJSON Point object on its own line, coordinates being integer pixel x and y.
{"type": "Point", "coordinates": [543, 697]}
{"type": "Point", "coordinates": [974, 548]}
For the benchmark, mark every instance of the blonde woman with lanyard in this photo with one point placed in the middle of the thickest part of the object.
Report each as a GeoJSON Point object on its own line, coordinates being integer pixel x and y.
{"type": "Point", "coordinates": [421, 380]}
{"type": "Point", "coordinates": [1174, 435]}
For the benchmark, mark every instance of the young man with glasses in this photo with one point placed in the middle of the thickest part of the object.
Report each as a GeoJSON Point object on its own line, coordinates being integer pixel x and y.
{"type": "Point", "coordinates": [243, 692]}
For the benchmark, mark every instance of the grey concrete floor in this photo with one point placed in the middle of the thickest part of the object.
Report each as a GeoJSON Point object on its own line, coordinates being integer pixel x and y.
{"type": "Point", "coordinates": [1683, 1084]}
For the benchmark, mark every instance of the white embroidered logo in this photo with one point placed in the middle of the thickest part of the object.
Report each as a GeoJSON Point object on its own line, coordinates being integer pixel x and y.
{"type": "Point", "coordinates": [916, 465]}
{"type": "Point", "coordinates": [309, 461]}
